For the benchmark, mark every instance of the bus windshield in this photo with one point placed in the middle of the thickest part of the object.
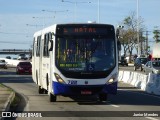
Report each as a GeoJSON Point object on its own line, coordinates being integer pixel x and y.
{"type": "Point", "coordinates": [86, 54]}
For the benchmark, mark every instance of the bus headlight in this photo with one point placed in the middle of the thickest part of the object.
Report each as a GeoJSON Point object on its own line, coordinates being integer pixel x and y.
{"type": "Point", "coordinates": [59, 79]}
{"type": "Point", "coordinates": [112, 79]}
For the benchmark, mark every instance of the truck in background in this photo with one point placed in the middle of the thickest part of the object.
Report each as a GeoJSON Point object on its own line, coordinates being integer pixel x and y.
{"type": "Point", "coordinates": [156, 51]}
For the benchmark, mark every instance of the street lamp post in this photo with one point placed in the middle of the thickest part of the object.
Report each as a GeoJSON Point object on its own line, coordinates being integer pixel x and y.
{"type": "Point", "coordinates": [118, 36]}
{"type": "Point", "coordinates": [98, 11]}
{"type": "Point", "coordinates": [75, 7]}
{"type": "Point", "coordinates": [138, 41]}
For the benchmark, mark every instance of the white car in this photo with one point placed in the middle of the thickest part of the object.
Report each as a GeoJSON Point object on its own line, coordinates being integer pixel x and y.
{"type": "Point", "coordinates": [152, 67]}
{"type": "Point", "coordinates": [3, 64]}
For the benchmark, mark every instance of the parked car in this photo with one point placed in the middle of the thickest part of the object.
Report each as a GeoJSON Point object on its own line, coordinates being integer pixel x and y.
{"type": "Point", "coordinates": [132, 58]}
{"type": "Point", "coordinates": [22, 57]}
{"type": "Point", "coordinates": [152, 67]}
{"type": "Point", "coordinates": [3, 64]}
{"type": "Point", "coordinates": [8, 57]}
{"type": "Point", "coordinates": [140, 62]}
{"type": "Point", "coordinates": [123, 61]}
{"type": "Point", "coordinates": [24, 68]}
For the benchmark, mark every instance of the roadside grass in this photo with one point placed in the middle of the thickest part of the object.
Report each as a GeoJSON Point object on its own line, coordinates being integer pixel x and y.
{"type": "Point", "coordinates": [15, 101]}
{"type": "Point", "coordinates": [1, 85]}
{"type": "Point", "coordinates": [6, 88]}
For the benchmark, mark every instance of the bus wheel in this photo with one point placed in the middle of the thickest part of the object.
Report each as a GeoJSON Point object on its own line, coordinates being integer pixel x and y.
{"type": "Point", "coordinates": [103, 97]}
{"type": "Point", "coordinates": [52, 98]}
{"type": "Point", "coordinates": [37, 77]}
{"type": "Point", "coordinates": [135, 68]}
{"type": "Point", "coordinates": [40, 90]}
{"type": "Point", "coordinates": [45, 91]}
{"type": "Point", "coordinates": [47, 81]}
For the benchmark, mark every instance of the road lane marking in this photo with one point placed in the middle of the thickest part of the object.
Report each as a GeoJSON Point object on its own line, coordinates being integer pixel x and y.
{"type": "Point", "coordinates": [151, 118]}
{"type": "Point", "coordinates": [114, 105]}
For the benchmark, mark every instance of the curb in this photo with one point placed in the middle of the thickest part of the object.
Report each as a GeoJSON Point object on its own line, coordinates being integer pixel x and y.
{"type": "Point", "coordinates": [7, 104]}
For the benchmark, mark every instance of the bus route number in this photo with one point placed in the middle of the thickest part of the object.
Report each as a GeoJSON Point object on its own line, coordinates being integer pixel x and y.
{"type": "Point", "coordinates": [72, 82]}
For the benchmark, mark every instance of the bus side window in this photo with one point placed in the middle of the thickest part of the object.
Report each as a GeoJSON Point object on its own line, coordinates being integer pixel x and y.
{"type": "Point", "coordinates": [50, 44]}
{"type": "Point", "coordinates": [33, 52]}
{"type": "Point", "coordinates": [38, 46]}
{"type": "Point", "coordinates": [46, 42]}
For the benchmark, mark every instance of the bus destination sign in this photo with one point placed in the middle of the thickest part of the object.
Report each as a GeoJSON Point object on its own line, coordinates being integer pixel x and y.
{"type": "Point", "coordinates": [84, 30]}
{"type": "Point", "coordinates": [79, 30]}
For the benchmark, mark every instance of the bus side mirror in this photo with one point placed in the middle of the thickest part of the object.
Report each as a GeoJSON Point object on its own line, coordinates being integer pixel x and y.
{"type": "Point", "coordinates": [117, 34]}
{"type": "Point", "coordinates": [50, 47]}
{"type": "Point", "coordinates": [119, 45]}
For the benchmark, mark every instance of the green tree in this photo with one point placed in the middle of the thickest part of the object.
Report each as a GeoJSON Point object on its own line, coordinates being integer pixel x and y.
{"type": "Point", "coordinates": [129, 35]}
{"type": "Point", "coordinates": [156, 33]}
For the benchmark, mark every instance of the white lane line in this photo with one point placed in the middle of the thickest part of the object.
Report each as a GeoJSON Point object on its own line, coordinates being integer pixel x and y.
{"type": "Point", "coordinates": [114, 105]}
{"type": "Point", "coordinates": [151, 118]}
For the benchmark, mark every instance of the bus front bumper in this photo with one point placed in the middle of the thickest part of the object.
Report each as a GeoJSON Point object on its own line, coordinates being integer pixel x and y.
{"type": "Point", "coordinates": [64, 89]}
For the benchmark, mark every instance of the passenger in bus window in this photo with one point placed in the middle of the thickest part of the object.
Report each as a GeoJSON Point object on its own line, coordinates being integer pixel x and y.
{"type": "Point", "coordinates": [70, 55]}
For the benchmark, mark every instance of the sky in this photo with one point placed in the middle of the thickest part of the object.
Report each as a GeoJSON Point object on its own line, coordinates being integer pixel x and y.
{"type": "Point", "coordinates": [19, 19]}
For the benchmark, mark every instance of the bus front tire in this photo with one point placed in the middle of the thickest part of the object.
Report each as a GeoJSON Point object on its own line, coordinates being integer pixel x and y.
{"type": "Point", "coordinates": [41, 90]}
{"type": "Point", "coordinates": [45, 91]}
{"type": "Point", "coordinates": [52, 98]}
{"type": "Point", "coordinates": [135, 68]}
{"type": "Point", "coordinates": [103, 97]}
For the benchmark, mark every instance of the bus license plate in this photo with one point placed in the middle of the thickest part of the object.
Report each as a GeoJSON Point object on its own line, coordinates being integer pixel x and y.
{"type": "Point", "coordinates": [86, 92]}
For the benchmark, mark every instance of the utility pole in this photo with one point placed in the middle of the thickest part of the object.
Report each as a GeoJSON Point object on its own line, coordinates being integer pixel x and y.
{"type": "Point", "coordinates": [138, 41]}
{"type": "Point", "coordinates": [147, 41]}
{"type": "Point", "coordinates": [98, 11]}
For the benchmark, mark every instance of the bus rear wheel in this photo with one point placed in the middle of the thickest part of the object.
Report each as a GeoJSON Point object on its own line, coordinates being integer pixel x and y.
{"type": "Point", "coordinates": [103, 97]}
{"type": "Point", "coordinates": [52, 98]}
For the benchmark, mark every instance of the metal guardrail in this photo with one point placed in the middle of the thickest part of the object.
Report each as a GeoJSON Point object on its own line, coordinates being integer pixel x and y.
{"type": "Point", "coordinates": [15, 51]}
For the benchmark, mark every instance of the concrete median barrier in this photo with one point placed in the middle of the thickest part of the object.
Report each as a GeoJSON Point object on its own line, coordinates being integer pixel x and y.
{"type": "Point", "coordinates": [120, 76]}
{"type": "Point", "coordinates": [149, 83]}
{"type": "Point", "coordinates": [153, 85]}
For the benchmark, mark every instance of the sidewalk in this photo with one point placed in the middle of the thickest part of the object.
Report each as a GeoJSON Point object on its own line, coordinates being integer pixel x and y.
{"type": "Point", "coordinates": [130, 64]}
{"type": "Point", "coordinates": [6, 97]}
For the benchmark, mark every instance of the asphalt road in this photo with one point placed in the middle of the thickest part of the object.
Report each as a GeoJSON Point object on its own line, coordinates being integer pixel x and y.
{"type": "Point", "coordinates": [129, 101]}
{"type": "Point", "coordinates": [127, 68]}
{"type": "Point", "coordinates": [130, 68]}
